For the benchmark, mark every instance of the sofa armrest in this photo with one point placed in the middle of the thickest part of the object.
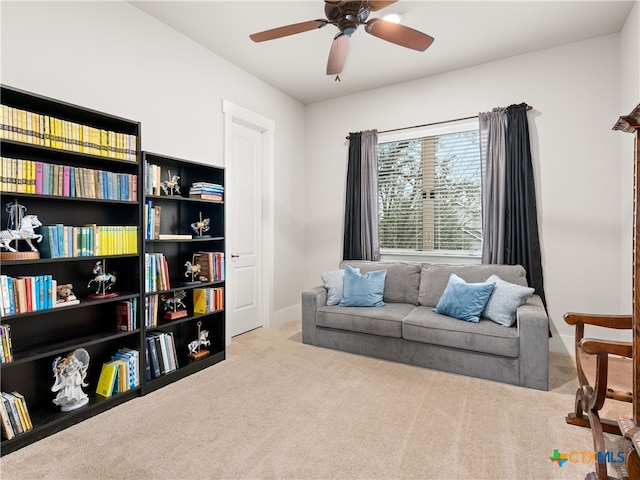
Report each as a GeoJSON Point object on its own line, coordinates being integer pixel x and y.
{"type": "Point", "coordinates": [311, 301]}
{"type": "Point", "coordinates": [533, 329]}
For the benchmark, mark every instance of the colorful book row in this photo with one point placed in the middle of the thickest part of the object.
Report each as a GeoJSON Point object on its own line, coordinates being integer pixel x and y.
{"type": "Point", "coordinates": [26, 294]}
{"type": "Point", "coordinates": [38, 129]}
{"type": "Point", "coordinates": [30, 176]}
{"type": "Point", "coordinates": [120, 374]}
{"type": "Point", "coordinates": [157, 269]}
{"type": "Point", "coordinates": [211, 265]}
{"type": "Point", "coordinates": [60, 240]}
{"type": "Point", "coordinates": [5, 344]}
{"type": "Point", "coordinates": [161, 354]}
{"type": "Point", "coordinates": [207, 300]}
{"type": "Point", "coordinates": [14, 415]}
{"type": "Point", "coordinates": [127, 315]}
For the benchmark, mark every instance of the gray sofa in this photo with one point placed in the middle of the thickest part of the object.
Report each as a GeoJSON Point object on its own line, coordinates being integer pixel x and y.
{"type": "Point", "coordinates": [407, 329]}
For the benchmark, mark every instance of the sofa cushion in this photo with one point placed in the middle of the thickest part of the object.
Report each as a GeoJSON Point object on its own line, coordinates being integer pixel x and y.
{"type": "Point", "coordinates": [402, 282]}
{"type": "Point", "coordinates": [385, 321]}
{"type": "Point", "coordinates": [425, 326]}
{"type": "Point", "coordinates": [434, 278]}
{"type": "Point", "coordinates": [333, 282]}
{"type": "Point", "coordinates": [464, 301]}
{"type": "Point", "coordinates": [362, 289]}
{"type": "Point", "coordinates": [505, 300]}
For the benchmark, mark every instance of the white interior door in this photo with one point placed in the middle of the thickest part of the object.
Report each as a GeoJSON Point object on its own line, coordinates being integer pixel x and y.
{"type": "Point", "coordinates": [246, 155]}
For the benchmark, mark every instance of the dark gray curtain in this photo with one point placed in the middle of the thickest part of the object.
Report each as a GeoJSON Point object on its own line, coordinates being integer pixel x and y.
{"type": "Point", "coordinates": [509, 211]}
{"type": "Point", "coordinates": [361, 203]}
{"type": "Point", "coordinates": [521, 241]}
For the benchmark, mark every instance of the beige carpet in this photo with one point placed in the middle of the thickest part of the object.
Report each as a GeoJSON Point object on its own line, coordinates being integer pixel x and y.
{"type": "Point", "coordinates": [277, 408]}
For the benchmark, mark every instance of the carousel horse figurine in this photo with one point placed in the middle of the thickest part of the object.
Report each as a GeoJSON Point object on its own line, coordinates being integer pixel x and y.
{"type": "Point", "coordinates": [192, 270]}
{"type": "Point", "coordinates": [203, 340]}
{"type": "Point", "coordinates": [104, 280]}
{"type": "Point", "coordinates": [24, 232]}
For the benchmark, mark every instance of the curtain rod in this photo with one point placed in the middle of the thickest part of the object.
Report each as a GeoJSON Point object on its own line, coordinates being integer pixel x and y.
{"type": "Point", "coordinates": [529, 107]}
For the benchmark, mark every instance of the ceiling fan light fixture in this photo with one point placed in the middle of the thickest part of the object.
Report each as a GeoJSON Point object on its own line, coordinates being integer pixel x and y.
{"type": "Point", "coordinates": [393, 17]}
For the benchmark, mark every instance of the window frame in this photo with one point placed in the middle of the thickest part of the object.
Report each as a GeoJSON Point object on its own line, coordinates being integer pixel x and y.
{"type": "Point", "coordinates": [452, 256]}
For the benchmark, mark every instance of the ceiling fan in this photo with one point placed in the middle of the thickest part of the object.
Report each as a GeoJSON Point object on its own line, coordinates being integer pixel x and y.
{"type": "Point", "coordinates": [348, 16]}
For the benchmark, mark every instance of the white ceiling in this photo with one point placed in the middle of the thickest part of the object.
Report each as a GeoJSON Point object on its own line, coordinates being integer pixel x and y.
{"type": "Point", "coordinates": [466, 33]}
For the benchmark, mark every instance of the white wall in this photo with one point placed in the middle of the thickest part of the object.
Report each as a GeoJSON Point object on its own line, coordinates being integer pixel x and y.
{"type": "Point", "coordinates": [629, 98]}
{"type": "Point", "coordinates": [111, 57]}
{"type": "Point", "coordinates": [574, 93]}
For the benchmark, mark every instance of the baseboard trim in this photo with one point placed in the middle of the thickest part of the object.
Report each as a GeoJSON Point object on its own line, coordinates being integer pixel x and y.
{"type": "Point", "coordinates": [286, 315]}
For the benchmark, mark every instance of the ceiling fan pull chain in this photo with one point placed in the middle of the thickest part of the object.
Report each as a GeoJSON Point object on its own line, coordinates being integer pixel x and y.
{"type": "Point", "coordinates": [337, 79]}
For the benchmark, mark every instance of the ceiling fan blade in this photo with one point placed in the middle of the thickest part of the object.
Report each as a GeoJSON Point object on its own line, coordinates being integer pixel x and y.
{"type": "Point", "coordinates": [287, 30]}
{"type": "Point", "coordinates": [338, 54]}
{"type": "Point", "coordinates": [398, 34]}
{"type": "Point", "coordinates": [380, 4]}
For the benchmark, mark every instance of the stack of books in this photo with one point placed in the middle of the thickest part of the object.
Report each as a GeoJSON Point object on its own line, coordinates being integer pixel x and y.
{"type": "Point", "coordinates": [207, 191]}
{"type": "Point", "coordinates": [14, 415]}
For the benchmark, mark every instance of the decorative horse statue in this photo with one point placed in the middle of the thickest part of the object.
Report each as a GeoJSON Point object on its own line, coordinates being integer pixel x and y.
{"type": "Point", "coordinates": [201, 225]}
{"type": "Point", "coordinates": [171, 184]}
{"type": "Point", "coordinates": [172, 303]}
{"type": "Point", "coordinates": [203, 340]}
{"type": "Point", "coordinates": [24, 232]}
{"type": "Point", "coordinates": [104, 280]}
{"type": "Point", "coordinates": [192, 270]}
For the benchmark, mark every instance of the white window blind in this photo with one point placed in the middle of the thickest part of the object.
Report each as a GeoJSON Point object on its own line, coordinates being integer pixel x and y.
{"type": "Point", "coordinates": [429, 189]}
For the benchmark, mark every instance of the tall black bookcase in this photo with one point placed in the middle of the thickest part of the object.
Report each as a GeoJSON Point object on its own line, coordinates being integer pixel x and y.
{"type": "Point", "coordinates": [44, 131]}
{"type": "Point", "coordinates": [177, 213]}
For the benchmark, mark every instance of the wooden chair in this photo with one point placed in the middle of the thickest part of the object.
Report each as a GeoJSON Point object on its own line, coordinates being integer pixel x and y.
{"type": "Point", "coordinates": [605, 371]}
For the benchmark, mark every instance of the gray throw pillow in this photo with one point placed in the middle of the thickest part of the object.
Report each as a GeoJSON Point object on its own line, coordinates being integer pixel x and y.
{"type": "Point", "coordinates": [505, 300]}
{"type": "Point", "coordinates": [334, 283]}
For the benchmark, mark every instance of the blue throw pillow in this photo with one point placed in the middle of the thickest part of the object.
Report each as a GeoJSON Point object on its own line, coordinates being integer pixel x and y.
{"type": "Point", "coordinates": [363, 290]}
{"type": "Point", "coordinates": [464, 301]}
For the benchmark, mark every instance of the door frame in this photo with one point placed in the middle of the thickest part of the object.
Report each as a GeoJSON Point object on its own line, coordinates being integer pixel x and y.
{"type": "Point", "coordinates": [236, 114]}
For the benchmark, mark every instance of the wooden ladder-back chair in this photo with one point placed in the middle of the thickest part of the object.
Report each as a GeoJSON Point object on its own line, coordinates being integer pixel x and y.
{"type": "Point", "coordinates": [605, 371]}
{"type": "Point", "coordinates": [611, 369]}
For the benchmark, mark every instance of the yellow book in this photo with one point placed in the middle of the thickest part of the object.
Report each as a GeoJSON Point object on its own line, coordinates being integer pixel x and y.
{"type": "Point", "coordinates": [199, 301]}
{"type": "Point", "coordinates": [46, 130]}
{"type": "Point", "coordinates": [24, 134]}
{"type": "Point", "coordinates": [22, 408]}
{"type": "Point", "coordinates": [4, 130]}
{"type": "Point", "coordinates": [107, 379]}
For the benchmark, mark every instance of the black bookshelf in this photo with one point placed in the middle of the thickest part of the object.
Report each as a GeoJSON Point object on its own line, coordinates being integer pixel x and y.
{"type": "Point", "coordinates": [39, 337]}
{"type": "Point", "coordinates": [177, 214]}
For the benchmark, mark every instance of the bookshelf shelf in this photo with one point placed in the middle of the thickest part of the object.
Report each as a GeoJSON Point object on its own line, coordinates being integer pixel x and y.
{"type": "Point", "coordinates": [48, 350]}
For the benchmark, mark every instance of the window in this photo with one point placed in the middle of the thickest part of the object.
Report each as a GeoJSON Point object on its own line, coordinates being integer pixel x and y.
{"type": "Point", "coordinates": [429, 190]}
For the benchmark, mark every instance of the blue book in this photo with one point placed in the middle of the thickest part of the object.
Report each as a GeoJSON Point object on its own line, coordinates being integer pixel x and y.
{"type": "Point", "coordinates": [105, 179]}
{"type": "Point", "coordinates": [60, 236]}
{"type": "Point", "coordinates": [72, 182]}
{"type": "Point", "coordinates": [153, 356]}
{"type": "Point", "coordinates": [12, 303]}
{"type": "Point", "coordinates": [90, 241]}
{"type": "Point", "coordinates": [49, 293]}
